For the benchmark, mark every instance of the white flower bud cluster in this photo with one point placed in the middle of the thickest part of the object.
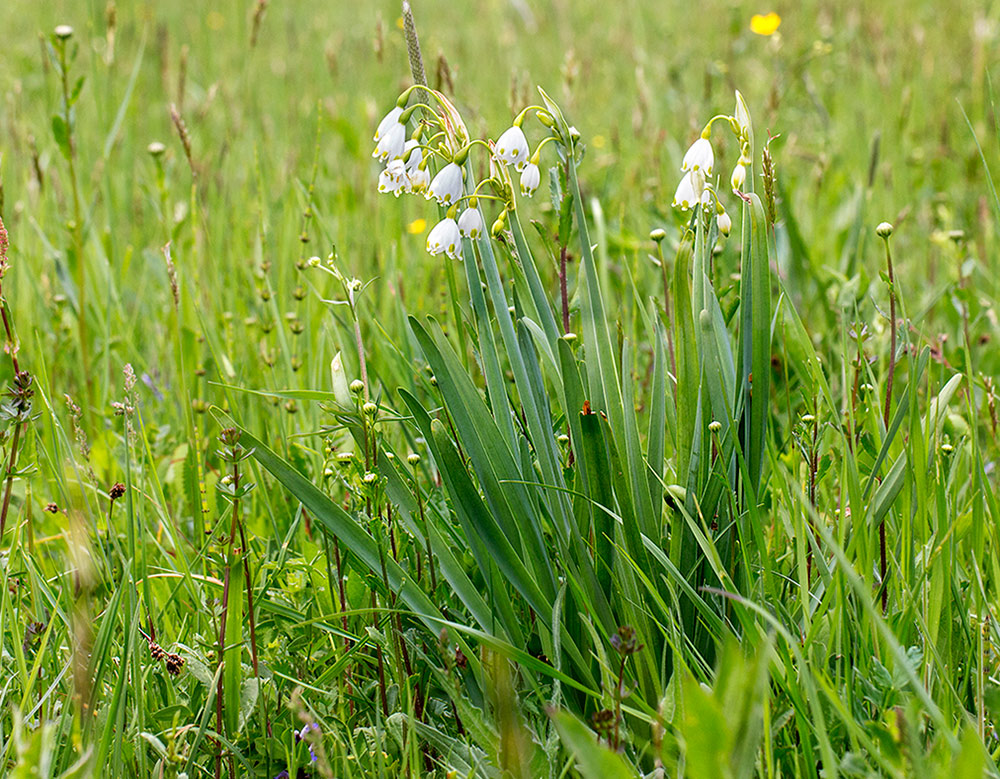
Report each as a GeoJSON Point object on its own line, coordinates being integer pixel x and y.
{"type": "Point", "coordinates": [441, 134]}
{"type": "Point", "coordinates": [697, 187]}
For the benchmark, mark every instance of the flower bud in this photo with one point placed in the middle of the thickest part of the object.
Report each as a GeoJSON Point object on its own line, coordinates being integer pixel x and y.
{"type": "Point", "coordinates": [658, 234]}
{"type": "Point", "coordinates": [338, 380]}
{"type": "Point", "coordinates": [884, 230]}
{"type": "Point", "coordinates": [64, 32]}
{"type": "Point", "coordinates": [357, 386]}
{"type": "Point", "coordinates": [725, 223]}
{"type": "Point", "coordinates": [715, 426]}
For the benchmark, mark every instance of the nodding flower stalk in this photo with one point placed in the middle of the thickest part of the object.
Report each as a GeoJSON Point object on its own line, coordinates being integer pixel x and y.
{"type": "Point", "coordinates": [441, 143]}
{"type": "Point", "coordinates": [744, 380]}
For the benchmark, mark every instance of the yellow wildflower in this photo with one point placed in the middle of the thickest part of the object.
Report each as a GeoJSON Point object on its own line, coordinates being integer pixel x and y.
{"type": "Point", "coordinates": [765, 24]}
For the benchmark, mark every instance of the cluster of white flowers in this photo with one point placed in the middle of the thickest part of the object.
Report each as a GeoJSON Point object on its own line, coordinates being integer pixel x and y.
{"type": "Point", "coordinates": [407, 162]}
{"type": "Point", "coordinates": [405, 171]}
{"type": "Point", "coordinates": [697, 187]}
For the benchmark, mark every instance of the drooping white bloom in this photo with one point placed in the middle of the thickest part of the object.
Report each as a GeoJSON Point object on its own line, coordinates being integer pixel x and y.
{"type": "Point", "coordinates": [446, 187]}
{"type": "Point", "coordinates": [690, 190]}
{"type": "Point", "coordinates": [391, 143]}
{"type": "Point", "coordinates": [393, 179]}
{"type": "Point", "coordinates": [531, 177]}
{"type": "Point", "coordinates": [739, 177]}
{"type": "Point", "coordinates": [699, 157]}
{"type": "Point", "coordinates": [725, 223]}
{"type": "Point", "coordinates": [445, 238]}
{"type": "Point", "coordinates": [388, 121]}
{"type": "Point", "coordinates": [413, 155]}
{"type": "Point", "coordinates": [415, 178]}
{"type": "Point", "coordinates": [418, 180]}
{"type": "Point", "coordinates": [341, 389]}
{"type": "Point", "coordinates": [470, 223]}
{"type": "Point", "coordinates": [512, 148]}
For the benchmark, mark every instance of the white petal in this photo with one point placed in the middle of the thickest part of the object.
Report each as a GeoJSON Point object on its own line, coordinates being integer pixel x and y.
{"type": "Point", "coordinates": [393, 179]}
{"type": "Point", "coordinates": [531, 177]}
{"type": "Point", "coordinates": [689, 191]}
{"type": "Point", "coordinates": [391, 144]}
{"type": "Point", "coordinates": [470, 223]}
{"type": "Point", "coordinates": [446, 187]}
{"type": "Point", "coordinates": [413, 155]}
{"type": "Point", "coordinates": [418, 180]}
{"type": "Point", "coordinates": [388, 120]}
{"type": "Point", "coordinates": [512, 147]}
{"type": "Point", "coordinates": [699, 157]}
{"type": "Point", "coordinates": [444, 237]}
{"type": "Point", "coordinates": [739, 178]}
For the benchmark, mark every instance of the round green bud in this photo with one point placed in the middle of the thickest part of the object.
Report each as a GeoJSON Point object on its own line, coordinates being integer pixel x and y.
{"type": "Point", "coordinates": [884, 230]}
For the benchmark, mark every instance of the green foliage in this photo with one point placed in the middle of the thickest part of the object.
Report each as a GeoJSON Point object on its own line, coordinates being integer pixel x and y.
{"type": "Point", "coordinates": [554, 510]}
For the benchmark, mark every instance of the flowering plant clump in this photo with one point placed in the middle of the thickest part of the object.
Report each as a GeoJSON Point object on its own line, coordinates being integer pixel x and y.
{"type": "Point", "coordinates": [439, 139]}
{"type": "Point", "coordinates": [696, 186]}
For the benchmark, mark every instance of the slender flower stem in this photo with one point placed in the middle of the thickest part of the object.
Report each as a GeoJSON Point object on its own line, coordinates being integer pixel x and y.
{"type": "Point", "coordinates": [77, 227]}
{"type": "Point", "coordinates": [884, 234]}
{"type": "Point", "coordinates": [563, 288]}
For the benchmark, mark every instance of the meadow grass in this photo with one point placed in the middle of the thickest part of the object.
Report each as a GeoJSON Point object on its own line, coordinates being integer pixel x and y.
{"type": "Point", "coordinates": [611, 495]}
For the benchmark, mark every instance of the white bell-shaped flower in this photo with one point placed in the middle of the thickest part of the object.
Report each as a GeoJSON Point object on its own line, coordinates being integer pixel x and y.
{"type": "Point", "coordinates": [446, 188]}
{"type": "Point", "coordinates": [445, 238]}
{"type": "Point", "coordinates": [388, 121]}
{"type": "Point", "coordinates": [418, 180]}
{"type": "Point", "coordinates": [725, 223]}
{"type": "Point", "coordinates": [690, 190]}
{"type": "Point", "coordinates": [393, 179]}
{"type": "Point", "coordinates": [413, 155]}
{"type": "Point", "coordinates": [739, 177]}
{"type": "Point", "coordinates": [391, 143]}
{"type": "Point", "coordinates": [512, 148]}
{"type": "Point", "coordinates": [699, 157]}
{"type": "Point", "coordinates": [531, 177]}
{"type": "Point", "coordinates": [470, 223]}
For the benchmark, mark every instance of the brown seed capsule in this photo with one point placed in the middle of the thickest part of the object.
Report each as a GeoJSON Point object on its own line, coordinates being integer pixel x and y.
{"type": "Point", "coordinates": [117, 491]}
{"type": "Point", "coordinates": [156, 651]}
{"type": "Point", "coordinates": [174, 663]}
